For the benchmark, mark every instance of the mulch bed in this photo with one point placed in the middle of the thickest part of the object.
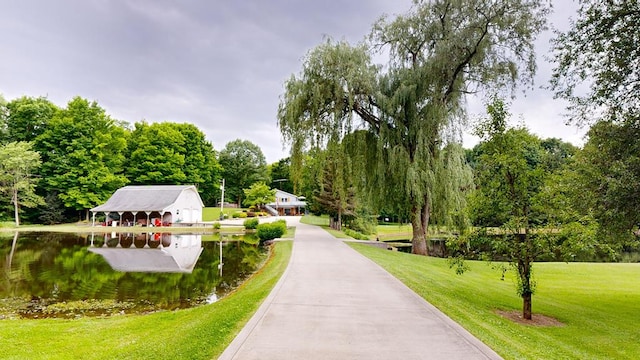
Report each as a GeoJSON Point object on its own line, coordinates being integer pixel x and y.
{"type": "Point", "coordinates": [536, 319]}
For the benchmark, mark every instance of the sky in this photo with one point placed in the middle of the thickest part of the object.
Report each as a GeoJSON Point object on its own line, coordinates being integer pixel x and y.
{"type": "Point", "coordinates": [218, 64]}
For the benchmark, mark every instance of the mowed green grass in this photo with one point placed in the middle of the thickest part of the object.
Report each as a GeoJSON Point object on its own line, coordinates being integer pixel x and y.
{"type": "Point", "coordinates": [213, 213]}
{"type": "Point", "coordinates": [198, 333]}
{"type": "Point", "coordinates": [598, 304]}
{"type": "Point", "coordinates": [323, 222]}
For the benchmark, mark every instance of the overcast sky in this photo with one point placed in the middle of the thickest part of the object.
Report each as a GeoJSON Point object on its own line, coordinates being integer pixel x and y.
{"type": "Point", "coordinates": [218, 64]}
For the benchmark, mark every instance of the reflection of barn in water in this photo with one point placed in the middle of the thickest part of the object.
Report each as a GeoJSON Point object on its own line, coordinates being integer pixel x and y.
{"type": "Point", "coordinates": [150, 252]}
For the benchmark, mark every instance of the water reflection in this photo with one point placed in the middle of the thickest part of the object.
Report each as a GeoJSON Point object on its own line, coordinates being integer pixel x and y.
{"type": "Point", "coordinates": [151, 252]}
{"type": "Point", "coordinates": [57, 275]}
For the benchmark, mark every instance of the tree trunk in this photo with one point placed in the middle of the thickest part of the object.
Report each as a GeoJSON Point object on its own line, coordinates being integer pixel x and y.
{"type": "Point", "coordinates": [418, 241]}
{"type": "Point", "coordinates": [426, 215]}
{"type": "Point", "coordinates": [524, 271]}
{"type": "Point", "coordinates": [526, 306]}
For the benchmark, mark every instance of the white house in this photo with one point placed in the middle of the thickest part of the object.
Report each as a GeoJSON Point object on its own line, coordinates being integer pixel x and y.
{"type": "Point", "coordinates": [288, 204]}
{"type": "Point", "coordinates": [153, 205]}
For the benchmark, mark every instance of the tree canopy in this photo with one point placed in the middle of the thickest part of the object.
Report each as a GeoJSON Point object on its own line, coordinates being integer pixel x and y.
{"type": "Point", "coordinates": [411, 110]}
{"type": "Point", "coordinates": [83, 154]}
{"type": "Point", "coordinates": [258, 194]}
{"type": "Point", "coordinates": [243, 164]}
{"type": "Point", "coordinates": [18, 163]}
{"type": "Point", "coordinates": [599, 52]}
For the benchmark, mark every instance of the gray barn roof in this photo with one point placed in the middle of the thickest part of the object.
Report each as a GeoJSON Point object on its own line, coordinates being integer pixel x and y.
{"type": "Point", "coordinates": [149, 260]}
{"type": "Point", "coordinates": [143, 198]}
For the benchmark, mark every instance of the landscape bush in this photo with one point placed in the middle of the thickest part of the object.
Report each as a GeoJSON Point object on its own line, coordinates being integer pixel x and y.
{"type": "Point", "coordinates": [216, 225]}
{"type": "Point", "coordinates": [239, 214]}
{"type": "Point", "coordinates": [251, 224]}
{"type": "Point", "coordinates": [270, 231]}
{"type": "Point", "coordinates": [356, 235]}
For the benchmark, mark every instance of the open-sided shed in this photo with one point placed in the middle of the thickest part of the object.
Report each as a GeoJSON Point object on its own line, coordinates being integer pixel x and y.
{"type": "Point", "coordinates": [153, 205]}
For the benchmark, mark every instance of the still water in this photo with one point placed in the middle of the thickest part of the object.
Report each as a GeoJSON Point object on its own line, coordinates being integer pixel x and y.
{"type": "Point", "coordinates": [71, 275]}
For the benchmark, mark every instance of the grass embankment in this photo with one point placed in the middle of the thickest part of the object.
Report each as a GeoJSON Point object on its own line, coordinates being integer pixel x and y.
{"type": "Point", "coordinates": [198, 333]}
{"type": "Point", "coordinates": [323, 222]}
{"type": "Point", "coordinates": [384, 232]}
{"type": "Point", "coordinates": [596, 302]}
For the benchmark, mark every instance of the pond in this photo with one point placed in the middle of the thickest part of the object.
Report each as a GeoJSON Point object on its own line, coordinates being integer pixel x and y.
{"type": "Point", "coordinates": [72, 275]}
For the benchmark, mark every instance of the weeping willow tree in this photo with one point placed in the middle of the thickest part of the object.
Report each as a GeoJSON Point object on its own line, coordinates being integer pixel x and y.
{"type": "Point", "coordinates": [411, 110]}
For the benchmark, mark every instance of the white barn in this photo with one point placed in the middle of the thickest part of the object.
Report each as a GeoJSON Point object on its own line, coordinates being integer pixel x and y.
{"type": "Point", "coordinates": [153, 205]}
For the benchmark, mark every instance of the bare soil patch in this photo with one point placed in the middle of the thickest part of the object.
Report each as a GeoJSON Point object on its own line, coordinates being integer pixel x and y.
{"type": "Point", "coordinates": [536, 319]}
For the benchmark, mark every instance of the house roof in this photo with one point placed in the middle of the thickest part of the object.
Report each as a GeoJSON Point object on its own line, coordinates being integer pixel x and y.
{"type": "Point", "coordinates": [295, 203]}
{"type": "Point", "coordinates": [144, 198]}
{"type": "Point", "coordinates": [149, 260]}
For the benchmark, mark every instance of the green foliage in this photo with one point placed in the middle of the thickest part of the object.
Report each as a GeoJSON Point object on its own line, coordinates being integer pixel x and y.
{"type": "Point", "coordinates": [410, 110]}
{"type": "Point", "coordinates": [510, 176]}
{"type": "Point", "coordinates": [216, 225]}
{"type": "Point", "coordinates": [280, 174]}
{"type": "Point", "coordinates": [355, 234]}
{"type": "Point", "coordinates": [251, 224]}
{"type": "Point", "coordinates": [28, 118]}
{"type": "Point", "coordinates": [272, 230]}
{"type": "Point", "coordinates": [258, 194]}
{"type": "Point", "coordinates": [363, 223]}
{"type": "Point", "coordinates": [201, 166]}
{"type": "Point", "coordinates": [239, 214]}
{"type": "Point", "coordinates": [82, 150]}
{"type": "Point", "coordinates": [243, 164]}
{"type": "Point", "coordinates": [600, 51]}
{"type": "Point", "coordinates": [156, 154]}
{"type": "Point", "coordinates": [608, 168]}
{"type": "Point", "coordinates": [18, 164]}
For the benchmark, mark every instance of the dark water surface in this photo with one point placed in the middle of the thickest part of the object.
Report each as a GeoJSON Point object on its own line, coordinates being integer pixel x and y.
{"type": "Point", "coordinates": [70, 275]}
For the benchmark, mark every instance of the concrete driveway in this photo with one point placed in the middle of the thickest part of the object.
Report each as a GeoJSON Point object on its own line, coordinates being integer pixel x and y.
{"type": "Point", "coordinates": [333, 303]}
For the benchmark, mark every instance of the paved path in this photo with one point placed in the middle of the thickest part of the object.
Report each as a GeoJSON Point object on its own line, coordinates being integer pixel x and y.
{"type": "Point", "coordinates": [333, 303]}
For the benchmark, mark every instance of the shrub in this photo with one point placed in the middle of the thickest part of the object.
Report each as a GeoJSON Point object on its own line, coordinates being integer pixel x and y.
{"type": "Point", "coordinates": [356, 235]}
{"type": "Point", "coordinates": [239, 214]}
{"type": "Point", "coordinates": [270, 231]}
{"type": "Point", "coordinates": [251, 214]}
{"type": "Point", "coordinates": [251, 224]}
{"type": "Point", "coordinates": [363, 224]}
{"type": "Point", "coordinates": [216, 225]}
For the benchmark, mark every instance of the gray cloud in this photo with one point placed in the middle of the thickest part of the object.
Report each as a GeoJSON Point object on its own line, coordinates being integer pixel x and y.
{"type": "Point", "coordinates": [218, 64]}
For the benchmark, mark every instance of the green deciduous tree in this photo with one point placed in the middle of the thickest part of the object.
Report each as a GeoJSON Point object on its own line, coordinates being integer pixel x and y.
{"type": "Point", "coordinates": [280, 175]}
{"type": "Point", "coordinates": [510, 177]}
{"type": "Point", "coordinates": [411, 110]}
{"type": "Point", "coordinates": [201, 166]}
{"type": "Point", "coordinates": [28, 117]}
{"type": "Point", "coordinates": [608, 169]}
{"type": "Point", "coordinates": [18, 163]}
{"type": "Point", "coordinates": [598, 71]}
{"type": "Point", "coordinates": [83, 154]}
{"type": "Point", "coordinates": [600, 53]}
{"type": "Point", "coordinates": [258, 194]}
{"type": "Point", "coordinates": [243, 164]}
{"type": "Point", "coordinates": [156, 155]}
{"type": "Point", "coordinates": [172, 153]}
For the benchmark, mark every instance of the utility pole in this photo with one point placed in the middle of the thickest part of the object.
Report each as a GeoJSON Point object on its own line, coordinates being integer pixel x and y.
{"type": "Point", "coordinates": [222, 201]}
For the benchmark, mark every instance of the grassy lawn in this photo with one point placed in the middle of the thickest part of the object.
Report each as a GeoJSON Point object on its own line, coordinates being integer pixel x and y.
{"type": "Point", "coordinates": [213, 213]}
{"type": "Point", "coordinates": [323, 222]}
{"type": "Point", "coordinates": [198, 333]}
{"type": "Point", "coordinates": [597, 303]}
